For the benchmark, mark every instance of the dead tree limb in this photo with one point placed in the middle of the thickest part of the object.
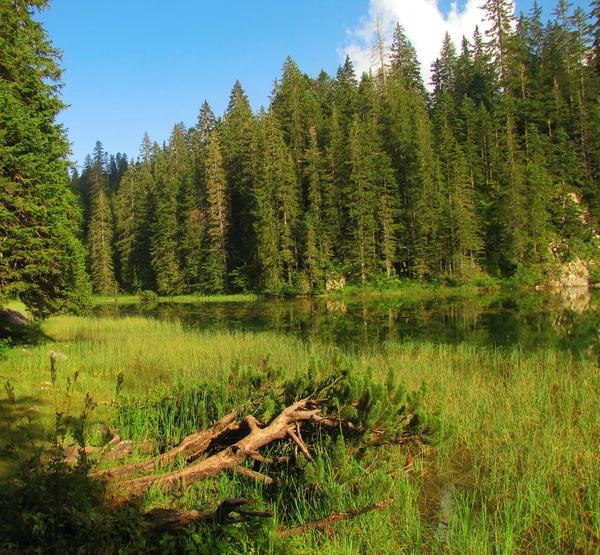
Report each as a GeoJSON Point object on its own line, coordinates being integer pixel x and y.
{"type": "Point", "coordinates": [243, 471]}
{"type": "Point", "coordinates": [170, 519]}
{"type": "Point", "coordinates": [329, 520]}
{"type": "Point", "coordinates": [191, 446]}
{"type": "Point", "coordinates": [230, 457]}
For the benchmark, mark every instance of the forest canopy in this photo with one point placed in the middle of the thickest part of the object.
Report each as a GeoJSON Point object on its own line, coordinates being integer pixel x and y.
{"type": "Point", "coordinates": [491, 170]}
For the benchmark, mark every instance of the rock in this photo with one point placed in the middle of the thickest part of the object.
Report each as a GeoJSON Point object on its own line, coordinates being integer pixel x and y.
{"type": "Point", "coordinates": [576, 299]}
{"type": "Point", "coordinates": [574, 274]}
{"type": "Point", "coordinates": [12, 323]}
{"type": "Point", "coordinates": [334, 284]}
{"type": "Point", "coordinates": [12, 318]}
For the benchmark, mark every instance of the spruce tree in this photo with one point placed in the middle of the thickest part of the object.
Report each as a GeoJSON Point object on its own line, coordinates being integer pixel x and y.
{"type": "Point", "coordinates": [361, 226]}
{"type": "Point", "coordinates": [145, 207]}
{"type": "Point", "coordinates": [164, 240]}
{"type": "Point", "coordinates": [459, 225]}
{"type": "Point", "coordinates": [499, 14]}
{"type": "Point", "coordinates": [100, 234]}
{"type": "Point", "coordinates": [193, 202]}
{"type": "Point", "coordinates": [217, 218]}
{"type": "Point", "coordinates": [317, 247]}
{"type": "Point", "coordinates": [125, 216]}
{"type": "Point", "coordinates": [237, 142]}
{"type": "Point", "coordinates": [277, 207]}
{"type": "Point", "coordinates": [403, 61]}
{"type": "Point", "coordinates": [41, 257]}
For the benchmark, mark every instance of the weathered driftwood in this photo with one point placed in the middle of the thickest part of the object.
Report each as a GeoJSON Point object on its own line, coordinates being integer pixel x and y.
{"type": "Point", "coordinates": [228, 459]}
{"type": "Point", "coordinates": [191, 446]}
{"type": "Point", "coordinates": [224, 447]}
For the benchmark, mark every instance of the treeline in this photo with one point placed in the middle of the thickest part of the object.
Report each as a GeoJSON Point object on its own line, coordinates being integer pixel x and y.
{"type": "Point", "coordinates": [492, 171]}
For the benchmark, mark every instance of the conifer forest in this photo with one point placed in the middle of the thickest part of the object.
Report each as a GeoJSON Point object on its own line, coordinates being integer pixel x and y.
{"type": "Point", "coordinates": [492, 169]}
{"type": "Point", "coordinates": [395, 414]}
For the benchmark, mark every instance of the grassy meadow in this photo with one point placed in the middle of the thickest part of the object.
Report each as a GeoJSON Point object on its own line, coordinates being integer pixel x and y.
{"type": "Point", "coordinates": [518, 470]}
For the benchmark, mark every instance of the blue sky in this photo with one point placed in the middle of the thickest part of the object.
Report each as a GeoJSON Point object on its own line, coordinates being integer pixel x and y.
{"type": "Point", "coordinates": [141, 66]}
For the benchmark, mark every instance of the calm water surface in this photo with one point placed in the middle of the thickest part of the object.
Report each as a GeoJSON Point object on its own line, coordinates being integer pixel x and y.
{"type": "Point", "coordinates": [566, 320]}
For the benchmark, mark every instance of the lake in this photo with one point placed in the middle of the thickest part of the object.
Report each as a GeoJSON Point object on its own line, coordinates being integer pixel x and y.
{"type": "Point", "coordinates": [566, 320]}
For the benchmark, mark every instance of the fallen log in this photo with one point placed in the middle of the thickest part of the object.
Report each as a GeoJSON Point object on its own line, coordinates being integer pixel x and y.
{"type": "Point", "coordinates": [331, 519]}
{"type": "Point", "coordinates": [227, 459]}
{"type": "Point", "coordinates": [191, 446]}
{"type": "Point", "coordinates": [163, 520]}
{"type": "Point", "coordinates": [171, 519]}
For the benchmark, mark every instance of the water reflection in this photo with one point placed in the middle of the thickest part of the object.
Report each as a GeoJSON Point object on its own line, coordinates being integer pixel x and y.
{"type": "Point", "coordinates": [567, 320]}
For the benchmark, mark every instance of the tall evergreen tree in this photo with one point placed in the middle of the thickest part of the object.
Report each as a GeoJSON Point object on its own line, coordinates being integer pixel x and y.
{"type": "Point", "coordinates": [403, 61]}
{"type": "Point", "coordinates": [217, 218]}
{"type": "Point", "coordinates": [460, 234]}
{"type": "Point", "coordinates": [277, 207]}
{"type": "Point", "coordinates": [317, 247]}
{"type": "Point", "coordinates": [41, 257]}
{"type": "Point", "coordinates": [125, 220]}
{"type": "Point", "coordinates": [100, 235]}
{"type": "Point", "coordinates": [499, 13]}
{"type": "Point", "coordinates": [296, 109]}
{"type": "Point", "coordinates": [237, 140]}
{"type": "Point", "coordinates": [164, 239]}
{"type": "Point", "coordinates": [193, 202]}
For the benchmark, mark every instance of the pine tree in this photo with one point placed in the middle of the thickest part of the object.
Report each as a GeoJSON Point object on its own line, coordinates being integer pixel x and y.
{"type": "Point", "coordinates": [192, 208]}
{"type": "Point", "coordinates": [296, 109]}
{"type": "Point", "coordinates": [100, 235]}
{"type": "Point", "coordinates": [317, 248]}
{"type": "Point", "coordinates": [125, 216]}
{"type": "Point", "coordinates": [595, 34]}
{"type": "Point", "coordinates": [361, 225]}
{"type": "Point", "coordinates": [41, 257]}
{"type": "Point", "coordinates": [164, 240]}
{"type": "Point", "coordinates": [217, 220]}
{"type": "Point", "coordinates": [145, 207]}
{"type": "Point", "coordinates": [538, 194]}
{"type": "Point", "coordinates": [403, 61]}
{"type": "Point", "coordinates": [237, 140]}
{"type": "Point", "coordinates": [277, 207]}
{"type": "Point", "coordinates": [444, 74]}
{"type": "Point", "coordinates": [499, 14]}
{"type": "Point", "coordinates": [459, 226]}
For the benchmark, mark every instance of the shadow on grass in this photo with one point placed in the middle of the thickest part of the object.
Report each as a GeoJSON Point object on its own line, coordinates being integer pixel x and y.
{"type": "Point", "coordinates": [28, 334]}
{"type": "Point", "coordinates": [21, 434]}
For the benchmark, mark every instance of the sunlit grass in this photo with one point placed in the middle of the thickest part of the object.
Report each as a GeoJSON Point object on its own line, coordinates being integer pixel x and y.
{"type": "Point", "coordinates": [522, 452]}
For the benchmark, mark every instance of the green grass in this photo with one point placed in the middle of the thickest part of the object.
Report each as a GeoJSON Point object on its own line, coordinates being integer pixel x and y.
{"type": "Point", "coordinates": [519, 472]}
{"type": "Point", "coordinates": [135, 299]}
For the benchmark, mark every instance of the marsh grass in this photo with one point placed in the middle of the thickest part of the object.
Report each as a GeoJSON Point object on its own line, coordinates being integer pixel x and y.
{"type": "Point", "coordinates": [521, 456]}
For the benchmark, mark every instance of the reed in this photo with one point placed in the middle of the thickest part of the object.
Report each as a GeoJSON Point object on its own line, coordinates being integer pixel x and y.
{"type": "Point", "coordinates": [519, 471]}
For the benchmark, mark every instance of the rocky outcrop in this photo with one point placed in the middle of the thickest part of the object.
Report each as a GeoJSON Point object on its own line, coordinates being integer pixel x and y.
{"type": "Point", "coordinates": [335, 284]}
{"type": "Point", "coordinates": [10, 317]}
{"type": "Point", "coordinates": [574, 274]}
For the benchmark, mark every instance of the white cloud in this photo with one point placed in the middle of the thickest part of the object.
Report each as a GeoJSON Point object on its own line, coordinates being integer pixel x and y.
{"type": "Point", "coordinates": [424, 23]}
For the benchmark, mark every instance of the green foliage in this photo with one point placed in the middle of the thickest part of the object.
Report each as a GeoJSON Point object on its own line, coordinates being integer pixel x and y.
{"type": "Point", "coordinates": [495, 170]}
{"type": "Point", "coordinates": [42, 258]}
{"type": "Point", "coordinates": [5, 346]}
{"type": "Point", "coordinates": [51, 505]}
{"type": "Point", "coordinates": [147, 296]}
